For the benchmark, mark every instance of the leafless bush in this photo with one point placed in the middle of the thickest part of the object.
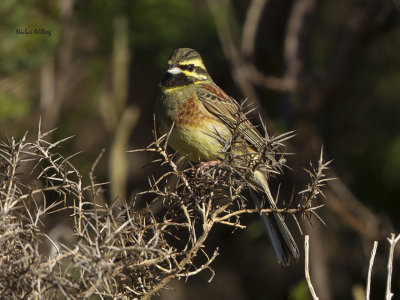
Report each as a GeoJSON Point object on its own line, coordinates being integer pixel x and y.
{"type": "Point", "coordinates": [24, 271]}
{"type": "Point", "coordinates": [123, 251]}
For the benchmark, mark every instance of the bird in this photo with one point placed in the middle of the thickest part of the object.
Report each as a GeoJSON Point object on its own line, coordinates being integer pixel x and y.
{"type": "Point", "coordinates": [198, 114]}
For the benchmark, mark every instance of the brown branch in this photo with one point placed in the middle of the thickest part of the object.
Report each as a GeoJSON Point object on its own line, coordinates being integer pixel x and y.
{"type": "Point", "coordinates": [250, 26]}
{"type": "Point", "coordinates": [223, 18]}
{"type": "Point", "coordinates": [295, 31]}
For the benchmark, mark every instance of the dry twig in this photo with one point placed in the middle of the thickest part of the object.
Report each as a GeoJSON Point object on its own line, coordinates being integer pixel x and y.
{"type": "Point", "coordinates": [306, 267]}
{"type": "Point", "coordinates": [393, 241]}
{"type": "Point", "coordinates": [371, 263]}
{"type": "Point", "coordinates": [123, 252]}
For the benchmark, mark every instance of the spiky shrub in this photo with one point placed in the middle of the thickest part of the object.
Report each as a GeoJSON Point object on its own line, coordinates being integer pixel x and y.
{"type": "Point", "coordinates": [34, 181]}
{"type": "Point", "coordinates": [122, 250]}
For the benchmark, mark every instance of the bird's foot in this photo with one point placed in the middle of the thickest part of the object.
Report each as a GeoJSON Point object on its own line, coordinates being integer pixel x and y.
{"type": "Point", "coordinates": [205, 165]}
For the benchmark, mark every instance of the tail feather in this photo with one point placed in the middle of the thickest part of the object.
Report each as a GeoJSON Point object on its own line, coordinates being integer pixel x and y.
{"type": "Point", "coordinates": [282, 241]}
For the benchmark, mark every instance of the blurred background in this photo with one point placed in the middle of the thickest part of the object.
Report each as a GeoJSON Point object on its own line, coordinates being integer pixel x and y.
{"type": "Point", "coordinates": [330, 70]}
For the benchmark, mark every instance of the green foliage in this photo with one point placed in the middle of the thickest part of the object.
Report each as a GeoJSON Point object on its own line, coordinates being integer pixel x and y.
{"type": "Point", "coordinates": [26, 50]}
{"type": "Point", "coordinates": [12, 107]}
{"type": "Point", "coordinates": [300, 291]}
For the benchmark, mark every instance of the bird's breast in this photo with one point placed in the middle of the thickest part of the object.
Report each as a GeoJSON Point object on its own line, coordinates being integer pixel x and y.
{"type": "Point", "coordinates": [196, 131]}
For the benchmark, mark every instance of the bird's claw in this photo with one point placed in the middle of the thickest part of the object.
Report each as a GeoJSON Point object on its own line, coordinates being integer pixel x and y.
{"type": "Point", "coordinates": [205, 165]}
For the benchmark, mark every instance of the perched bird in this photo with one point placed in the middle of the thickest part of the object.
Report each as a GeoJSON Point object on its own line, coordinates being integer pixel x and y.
{"type": "Point", "coordinates": [201, 115]}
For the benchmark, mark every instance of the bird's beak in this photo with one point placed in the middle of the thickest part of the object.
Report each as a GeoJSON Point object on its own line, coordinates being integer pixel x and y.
{"type": "Point", "coordinates": [173, 69]}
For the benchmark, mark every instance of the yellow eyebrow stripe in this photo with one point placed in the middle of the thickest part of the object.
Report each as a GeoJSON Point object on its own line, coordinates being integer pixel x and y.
{"type": "Point", "coordinates": [196, 62]}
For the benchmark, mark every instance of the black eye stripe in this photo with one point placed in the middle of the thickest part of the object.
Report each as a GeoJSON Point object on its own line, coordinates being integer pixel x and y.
{"type": "Point", "coordinates": [187, 67]}
{"type": "Point", "coordinates": [191, 68]}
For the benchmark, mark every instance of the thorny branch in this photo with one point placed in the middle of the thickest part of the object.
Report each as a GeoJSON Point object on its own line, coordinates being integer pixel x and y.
{"type": "Point", "coordinates": [34, 182]}
{"type": "Point", "coordinates": [124, 251]}
{"type": "Point", "coordinates": [194, 202]}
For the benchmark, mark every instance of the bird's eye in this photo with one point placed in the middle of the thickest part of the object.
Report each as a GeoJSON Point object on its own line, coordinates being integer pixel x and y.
{"type": "Point", "coordinates": [191, 68]}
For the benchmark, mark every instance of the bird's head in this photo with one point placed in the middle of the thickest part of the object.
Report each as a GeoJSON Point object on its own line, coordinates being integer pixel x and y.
{"type": "Point", "coordinates": [185, 67]}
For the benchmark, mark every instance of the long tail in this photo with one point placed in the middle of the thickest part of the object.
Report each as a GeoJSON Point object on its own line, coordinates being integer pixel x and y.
{"type": "Point", "coordinates": [282, 241]}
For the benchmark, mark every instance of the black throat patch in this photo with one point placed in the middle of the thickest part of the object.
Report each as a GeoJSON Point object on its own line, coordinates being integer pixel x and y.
{"type": "Point", "coordinates": [175, 80]}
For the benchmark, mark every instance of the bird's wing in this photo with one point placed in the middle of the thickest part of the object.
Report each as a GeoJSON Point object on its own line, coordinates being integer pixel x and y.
{"type": "Point", "coordinates": [218, 103]}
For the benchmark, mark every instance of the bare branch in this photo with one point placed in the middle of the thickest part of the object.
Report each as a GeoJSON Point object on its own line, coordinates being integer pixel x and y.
{"type": "Point", "coordinates": [306, 267]}
{"type": "Point", "coordinates": [393, 241]}
{"type": "Point", "coordinates": [371, 263]}
{"type": "Point", "coordinates": [296, 25]}
{"type": "Point", "coordinates": [253, 16]}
